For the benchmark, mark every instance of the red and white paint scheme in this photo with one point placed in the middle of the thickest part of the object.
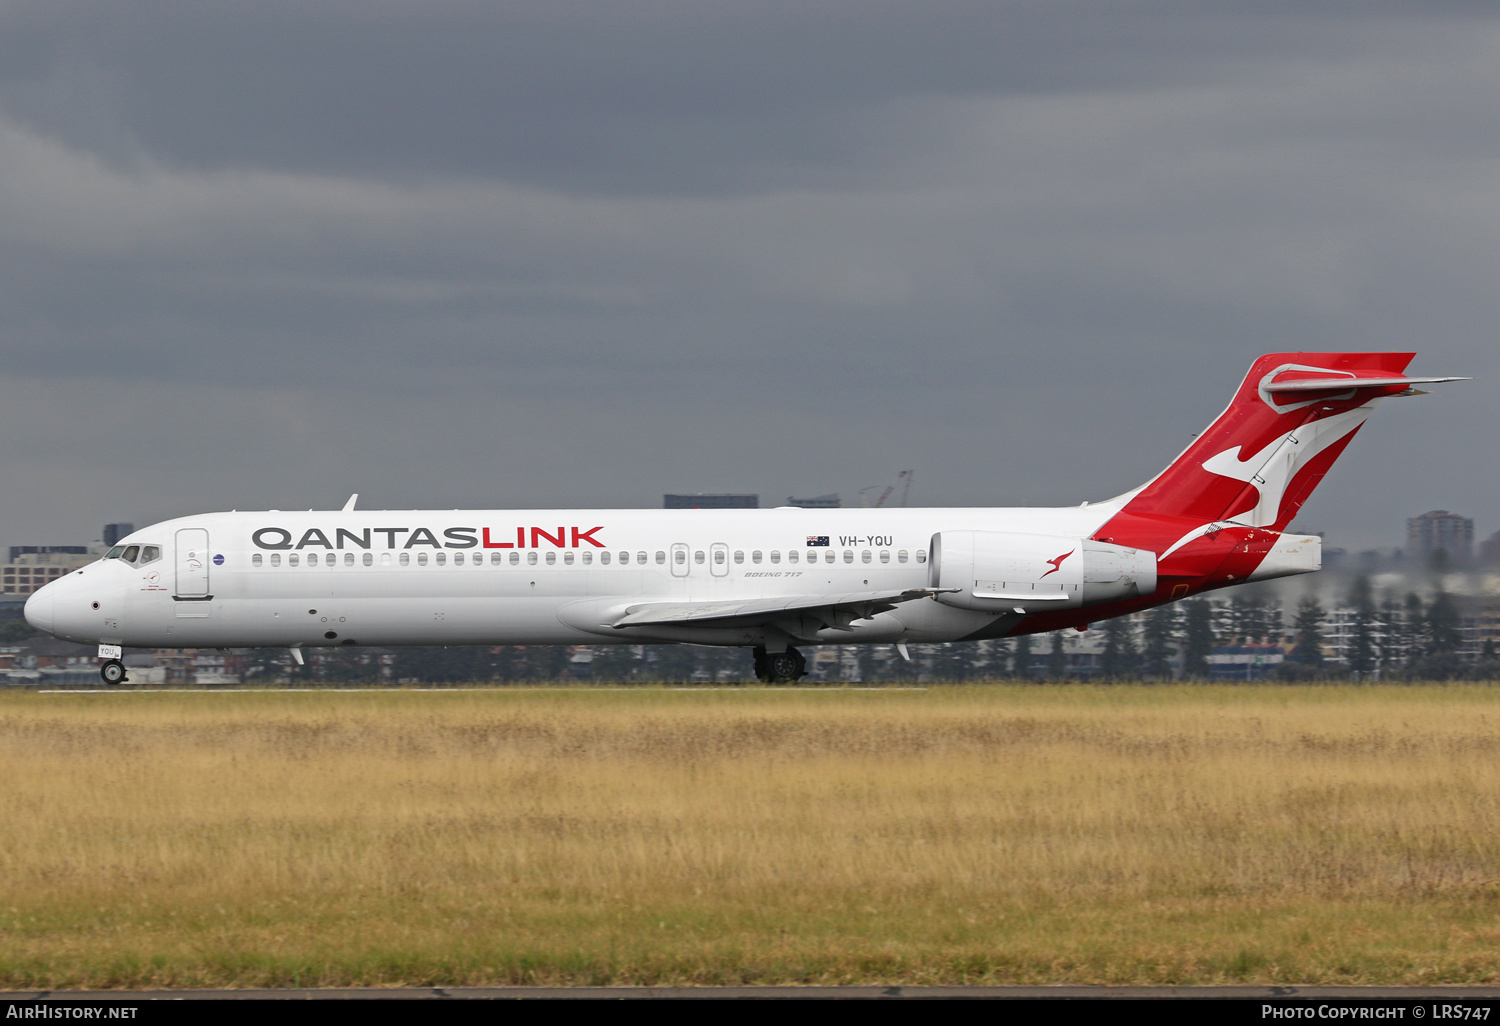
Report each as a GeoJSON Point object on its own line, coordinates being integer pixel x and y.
{"type": "Point", "coordinates": [763, 579]}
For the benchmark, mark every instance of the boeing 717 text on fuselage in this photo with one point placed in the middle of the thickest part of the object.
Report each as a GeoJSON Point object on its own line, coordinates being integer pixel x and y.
{"type": "Point", "coordinates": [767, 580]}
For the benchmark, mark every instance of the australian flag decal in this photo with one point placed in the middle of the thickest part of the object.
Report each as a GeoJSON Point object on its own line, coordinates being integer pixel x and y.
{"type": "Point", "coordinates": [816, 540]}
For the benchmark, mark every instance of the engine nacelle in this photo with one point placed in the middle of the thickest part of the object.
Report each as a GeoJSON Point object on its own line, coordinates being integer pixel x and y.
{"type": "Point", "coordinates": [998, 571]}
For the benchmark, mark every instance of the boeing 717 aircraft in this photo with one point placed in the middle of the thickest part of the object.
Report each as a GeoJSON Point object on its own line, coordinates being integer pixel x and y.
{"type": "Point", "coordinates": [767, 580]}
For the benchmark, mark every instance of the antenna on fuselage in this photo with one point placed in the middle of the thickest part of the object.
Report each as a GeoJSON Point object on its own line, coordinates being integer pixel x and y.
{"type": "Point", "coordinates": [348, 506]}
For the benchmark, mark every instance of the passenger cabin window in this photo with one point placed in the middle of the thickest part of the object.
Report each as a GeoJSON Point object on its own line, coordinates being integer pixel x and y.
{"type": "Point", "coordinates": [901, 556]}
{"type": "Point", "coordinates": [828, 555]}
{"type": "Point", "coordinates": [385, 559]}
{"type": "Point", "coordinates": [661, 557]}
{"type": "Point", "coordinates": [885, 555]}
{"type": "Point", "coordinates": [515, 559]}
{"type": "Point", "coordinates": [551, 558]}
{"type": "Point", "coordinates": [864, 557]}
{"type": "Point", "coordinates": [604, 558]}
{"type": "Point", "coordinates": [848, 555]}
{"type": "Point", "coordinates": [739, 555]}
{"type": "Point", "coordinates": [792, 557]}
{"type": "Point", "coordinates": [369, 559]}
{"type": "Point", "coordinates": [495, 558]}
{"type": "Point", "coordinates": [567, 558]}
{"type": "Point", "coordinates": [680, 556]}
{"type": "Point", "coordinates": [275, 559]}
{"type": "Point", "coordinates": [421, 559]}
{"type": "Point", "coordinates": [255, 559]}
{"type": "Point", "coordinates": [406, 559]}
{"type": "Point", "coordinates": [531, 558]}
{"type": "Point", "coordinates": [440, 558]}
{"type": "Point", "coordinates": [698, 557]}
{"type": "Point", "coordinates": [776, 555]}
{"type": "Point", "coordinates": [291, 559]}
{"type": "Point", "coordinates": [755, 556]}
{"type": "Point", "coordinates": [312, 559]}
{"type": "Point", "coordinates": [458, 559]}
{"type": "Point", "coordinates": [921, 555]}
{"type": "Point", "coordinates": [588, 557]}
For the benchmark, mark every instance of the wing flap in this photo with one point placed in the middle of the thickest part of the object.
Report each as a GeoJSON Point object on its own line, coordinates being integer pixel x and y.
{"type": "Point", "coordinates": [840, 610]}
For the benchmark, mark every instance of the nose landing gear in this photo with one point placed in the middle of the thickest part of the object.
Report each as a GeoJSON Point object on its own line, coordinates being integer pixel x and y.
{"type": "Point", "coordinates": [780, 667]}
{"type": "Point", "coordinates": [113, 672]}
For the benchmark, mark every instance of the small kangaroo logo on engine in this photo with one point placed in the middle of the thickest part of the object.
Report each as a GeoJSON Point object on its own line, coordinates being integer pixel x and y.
{"type": "Point", "coordinates": [1057, 562]}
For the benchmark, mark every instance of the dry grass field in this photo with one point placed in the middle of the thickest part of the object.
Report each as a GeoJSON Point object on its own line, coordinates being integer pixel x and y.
{"type": "Point", "coordinates": [976, 834]}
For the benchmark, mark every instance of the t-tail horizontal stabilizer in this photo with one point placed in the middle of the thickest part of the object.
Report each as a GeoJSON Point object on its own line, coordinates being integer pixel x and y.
{"type": "Point", "coordinates": [1239, 484]}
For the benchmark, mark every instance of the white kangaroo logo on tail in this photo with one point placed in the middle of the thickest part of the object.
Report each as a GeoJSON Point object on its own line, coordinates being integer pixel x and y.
{"type": "Point", "coordinates": [1272, 470]}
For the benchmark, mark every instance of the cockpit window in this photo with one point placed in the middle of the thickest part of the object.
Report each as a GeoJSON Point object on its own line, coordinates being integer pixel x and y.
{"type": "Point", "coordinates": [138, 554]}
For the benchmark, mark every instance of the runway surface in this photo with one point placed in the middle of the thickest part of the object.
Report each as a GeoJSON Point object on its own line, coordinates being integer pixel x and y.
{"type": "Point", "coordinates": [235, 689]}
{"type": "Point", "coordinates": [1440, 994]}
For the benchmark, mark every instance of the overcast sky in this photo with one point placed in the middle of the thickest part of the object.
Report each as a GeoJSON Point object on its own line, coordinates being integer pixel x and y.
{"type": "Point", "coordinates": [448, 254]}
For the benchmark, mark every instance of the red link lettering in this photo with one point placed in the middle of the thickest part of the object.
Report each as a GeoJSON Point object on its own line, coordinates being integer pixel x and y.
{"type": "Point", "coordinates": [561, 541]}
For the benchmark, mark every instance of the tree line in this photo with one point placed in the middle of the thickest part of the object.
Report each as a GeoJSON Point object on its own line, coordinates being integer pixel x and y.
{"type": "Point", "coordinates": [1388, 637]}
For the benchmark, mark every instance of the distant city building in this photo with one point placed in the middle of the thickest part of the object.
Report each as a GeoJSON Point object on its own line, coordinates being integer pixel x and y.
{"type": "Point", "coordinates": [1489, 549]}
{"type": "Point", "coordinates": [706, 501]}
{"type": "Point", "coordinates": [114, 532]}
{"type": "Point", "coordinates": [1440, 529]}
{"type": "Point", "coordinates": [28, 571]}
{"type": "Point", "coordinates": [1244, 662]}
{"type": "Point", "coordinates": [816, 502]}
{"type": "Point", "coordinates": [17, 551]}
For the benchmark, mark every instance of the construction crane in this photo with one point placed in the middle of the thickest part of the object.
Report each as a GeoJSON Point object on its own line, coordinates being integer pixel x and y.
{"type": "Point", "coordinates": [903, 479]}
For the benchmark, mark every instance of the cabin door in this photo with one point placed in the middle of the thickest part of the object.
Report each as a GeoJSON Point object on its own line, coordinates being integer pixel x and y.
{"type": "Point", "coordinates": [192, 572]}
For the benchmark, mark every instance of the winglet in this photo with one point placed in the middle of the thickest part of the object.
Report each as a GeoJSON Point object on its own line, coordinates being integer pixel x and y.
{"type": "Point", "coordinates": [349, 506]}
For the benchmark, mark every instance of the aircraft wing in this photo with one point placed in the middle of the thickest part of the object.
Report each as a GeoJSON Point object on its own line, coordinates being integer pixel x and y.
{"type": "Point", "coordinates": [834, 611]}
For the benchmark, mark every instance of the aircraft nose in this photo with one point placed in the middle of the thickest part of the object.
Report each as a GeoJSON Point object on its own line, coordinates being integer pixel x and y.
{"type": "Point", "coordinates": [38, 608]}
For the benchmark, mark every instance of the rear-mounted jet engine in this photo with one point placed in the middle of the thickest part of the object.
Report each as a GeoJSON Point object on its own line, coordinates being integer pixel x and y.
{"type": "Point", "coordinates": [997, 571]}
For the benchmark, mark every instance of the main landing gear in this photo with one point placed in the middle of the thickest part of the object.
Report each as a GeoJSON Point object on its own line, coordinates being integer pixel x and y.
{"type": "Point", "coordinates": [113, 672]}
{"type": "Point", "coordinates": [779, 668]}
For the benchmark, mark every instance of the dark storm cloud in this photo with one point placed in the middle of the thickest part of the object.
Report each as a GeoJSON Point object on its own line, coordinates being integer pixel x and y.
{"type": "Point", "coordinates": [446, 254]}
{"type": "Point", "coordinates": [655, 98]}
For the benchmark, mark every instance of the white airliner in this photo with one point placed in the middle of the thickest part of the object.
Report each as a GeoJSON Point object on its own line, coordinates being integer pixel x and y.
{"type": "Point", "coordinates": [763, 579]}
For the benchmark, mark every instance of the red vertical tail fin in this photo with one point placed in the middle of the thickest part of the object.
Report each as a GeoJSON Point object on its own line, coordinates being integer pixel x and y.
{"type": "Point", "coordinates": [1259, 461]}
